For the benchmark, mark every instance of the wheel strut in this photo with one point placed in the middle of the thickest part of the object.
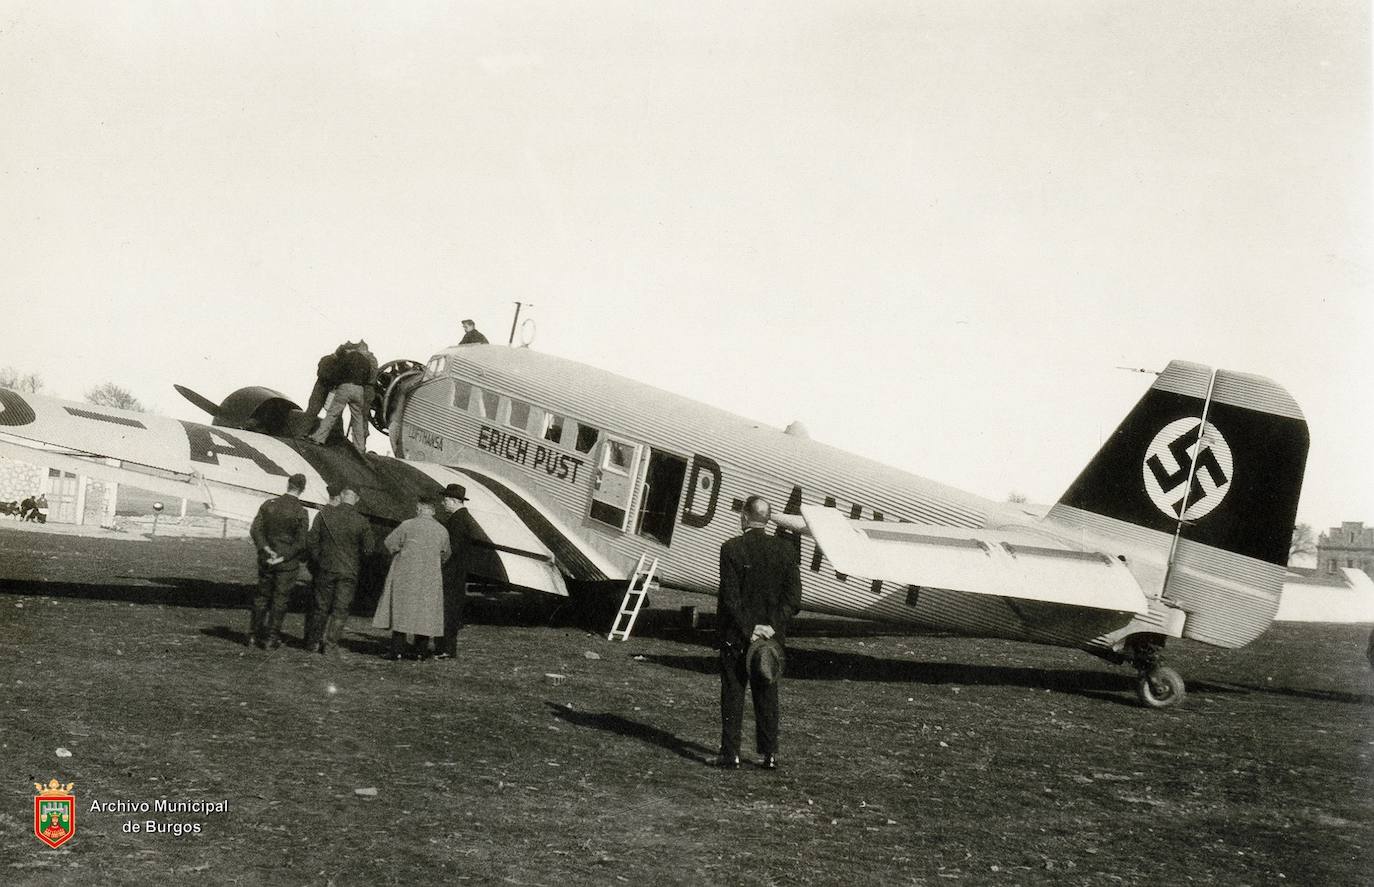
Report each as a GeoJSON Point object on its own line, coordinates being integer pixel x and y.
{"type": "Point", "coordinates": [1157, 685]}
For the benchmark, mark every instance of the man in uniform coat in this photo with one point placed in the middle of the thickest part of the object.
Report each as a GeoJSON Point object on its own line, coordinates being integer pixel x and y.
{"type": "Point", "coordinates": [413, 597]}
{"type": "Point", "coordinates": [281, 532]}
{"type": "Point", "coordinates": [340, 538]}
{"type": "Point", "coordinates": [760, 591]}
{"type": "Point", "coordinates": [460, 527]}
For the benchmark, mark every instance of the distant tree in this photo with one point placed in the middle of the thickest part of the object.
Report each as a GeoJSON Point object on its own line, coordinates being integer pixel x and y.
{"type": "Point", "coordinates": [1304, 544]}
{"type": "Point", "coordinates": [31, 383]}
{"type": "Point", "coordinates": [1017, 498]}
{"type": "Point", "coordinates": [111, 395]}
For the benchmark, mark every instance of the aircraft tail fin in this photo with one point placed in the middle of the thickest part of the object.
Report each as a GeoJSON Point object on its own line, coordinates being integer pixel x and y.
{"type": "Point", "coordinates": [1206, 471]}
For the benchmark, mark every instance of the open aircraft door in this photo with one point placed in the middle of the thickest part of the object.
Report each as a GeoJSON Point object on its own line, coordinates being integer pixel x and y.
{"type": "Point", "coordinates": [617, 467]}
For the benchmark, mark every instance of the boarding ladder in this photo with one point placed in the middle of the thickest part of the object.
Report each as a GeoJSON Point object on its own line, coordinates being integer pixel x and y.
{"type": "Point", "coordinates": [635, 592]}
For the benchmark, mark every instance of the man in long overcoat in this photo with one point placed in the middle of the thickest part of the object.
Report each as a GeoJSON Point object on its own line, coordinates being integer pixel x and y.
{"type": "Point", "coordinates": [460, 526]}
{"type": "Point", "coordinates": [760, 592]}
{"type": "Point", "coordinates": [280, 531]}
{"type": "Point", "coordinates": [340, 538]}
{"type": "Point", "coordinates": [413, 597]}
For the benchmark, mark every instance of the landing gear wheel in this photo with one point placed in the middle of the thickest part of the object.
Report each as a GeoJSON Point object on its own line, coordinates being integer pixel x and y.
{"type": "Point", "coordinates": [1160, 687]}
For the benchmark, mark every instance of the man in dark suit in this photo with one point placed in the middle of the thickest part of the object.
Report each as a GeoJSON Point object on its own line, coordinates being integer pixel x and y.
{"type": "Point", "coordinates": [340, 538]}
{"type": "Point", "coordinates": [471, 336]}
{"type": "Point", "coordinates": [461, 529]}
{"type": "Point", "coordinates": [280, 531]}
{"type": "Point", "coordinates": [760, 592]}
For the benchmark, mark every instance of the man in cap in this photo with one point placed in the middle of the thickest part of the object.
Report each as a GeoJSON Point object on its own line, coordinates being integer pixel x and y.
{"type": "Point", "coordinates": [461, 529]}
{"type": "Point", "coordinates": [281, 532]}
{"type": "Point", "coordinates": [313, 623]}
{"type": "Point", "coordinates": [340, 538]}
{"type": "Point", "coordinates": [471, 336]}
{"type": "Point", "coordinates": [760, 591]}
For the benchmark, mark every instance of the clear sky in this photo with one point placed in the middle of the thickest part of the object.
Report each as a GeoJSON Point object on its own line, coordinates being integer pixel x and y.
{"type": "Point", "coordinates": [929, 230]}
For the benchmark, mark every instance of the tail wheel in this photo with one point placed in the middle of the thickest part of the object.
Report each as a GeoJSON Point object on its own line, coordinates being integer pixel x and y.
{"type": "Point", "coordinates": [1160, 687]}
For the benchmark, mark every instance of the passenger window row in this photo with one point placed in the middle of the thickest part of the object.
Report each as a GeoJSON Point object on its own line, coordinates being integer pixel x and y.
{"type": "Point", "coordinates": [517, 414]}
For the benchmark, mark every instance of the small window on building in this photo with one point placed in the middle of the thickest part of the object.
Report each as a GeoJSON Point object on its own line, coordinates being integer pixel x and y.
{"type": "Point", "coordinates": [586, 437]}
{"type": "Point", "coordinates": [1331, 566]}
{"type": "Point", "coordinates": [553, 428]}
{"type": "Point", "coordinates": [53, 472]}
{"type": "Point", "coordinates": [1350, 562]}
{"type": "Point", "coordinates": [487, 404]}
{"type": "Point", "coordinates": [462, 395]}
{"type": "Point", "coordinates": [519, 415]}
{"type": "Point", "coordinates": [617, 457]}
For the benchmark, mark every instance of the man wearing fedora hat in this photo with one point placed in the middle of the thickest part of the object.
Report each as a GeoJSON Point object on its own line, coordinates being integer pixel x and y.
{"type": "Point", "coordinates": [760, 592]}
{"type": "Point", "coordinates": [460, 527]}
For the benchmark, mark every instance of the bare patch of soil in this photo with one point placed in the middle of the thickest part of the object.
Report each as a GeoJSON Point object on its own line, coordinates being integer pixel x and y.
{"type": "Point", "coordinates": [907, 759]}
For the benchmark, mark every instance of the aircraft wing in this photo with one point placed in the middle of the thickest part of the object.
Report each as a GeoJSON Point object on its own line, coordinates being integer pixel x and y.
{"type": "Point", "coordinates": [234, 471]}
{"type": "Point", "coordinates": [1000, 563]}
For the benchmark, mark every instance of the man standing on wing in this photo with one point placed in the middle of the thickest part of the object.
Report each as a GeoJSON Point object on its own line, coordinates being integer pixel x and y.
{"type": "Point", "coordinates": [760, 592]}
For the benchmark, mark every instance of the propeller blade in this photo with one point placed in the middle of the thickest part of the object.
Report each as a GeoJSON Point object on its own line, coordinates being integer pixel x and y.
{"type": "Point", "coordinates": [204, 403]}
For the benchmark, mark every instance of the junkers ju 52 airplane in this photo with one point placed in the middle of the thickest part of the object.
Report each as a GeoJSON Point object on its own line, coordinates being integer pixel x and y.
{"type": "Point", "coordinates": [1179, 526]}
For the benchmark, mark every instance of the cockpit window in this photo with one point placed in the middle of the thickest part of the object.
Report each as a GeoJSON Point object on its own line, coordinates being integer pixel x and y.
{"type": "Point", "coordinates": [437, 366]}
{"type": "Point", "coordinates": [586, 437]}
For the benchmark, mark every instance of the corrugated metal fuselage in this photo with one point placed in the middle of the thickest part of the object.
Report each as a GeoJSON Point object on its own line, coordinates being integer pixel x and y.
{"type": "Point", "coordinates": [668, 475]}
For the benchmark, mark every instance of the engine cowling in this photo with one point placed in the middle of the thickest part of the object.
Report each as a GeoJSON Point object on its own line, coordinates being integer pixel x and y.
{"type": "Point", "coordinates": [254, 408]}
{"type": "Point", "coordinates": [395, 379]}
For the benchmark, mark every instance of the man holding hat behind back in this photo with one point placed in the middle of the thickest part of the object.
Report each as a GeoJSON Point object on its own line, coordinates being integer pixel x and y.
{"type": "Point", "coordinates": [760, 592]}
{"type": "Point", "coordinates": [460, 527]}
{"type": "Point", "coordinates": [280, 530]}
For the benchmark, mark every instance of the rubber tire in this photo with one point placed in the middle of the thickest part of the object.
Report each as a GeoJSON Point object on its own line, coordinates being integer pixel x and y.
{"type": "Point", "coordinates": [1169, 692]}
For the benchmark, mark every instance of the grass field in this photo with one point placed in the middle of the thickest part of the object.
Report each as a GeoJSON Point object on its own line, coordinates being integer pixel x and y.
{"type": "Point", "coordinates": [907, 759]}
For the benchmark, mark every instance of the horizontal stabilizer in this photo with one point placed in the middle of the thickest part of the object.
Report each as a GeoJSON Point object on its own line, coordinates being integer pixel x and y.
{"type": "Point", "coordinates": [1000, 563]}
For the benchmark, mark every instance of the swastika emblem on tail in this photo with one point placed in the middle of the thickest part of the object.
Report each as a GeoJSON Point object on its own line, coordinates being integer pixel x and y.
{"type": "Point", "coordinates": [1169, 459]}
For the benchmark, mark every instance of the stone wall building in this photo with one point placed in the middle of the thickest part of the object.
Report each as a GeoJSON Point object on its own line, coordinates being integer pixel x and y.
{"type": "Point", "coordinates": [1350, 545]}
{"type": "Point", "coordinates": [72, 498]}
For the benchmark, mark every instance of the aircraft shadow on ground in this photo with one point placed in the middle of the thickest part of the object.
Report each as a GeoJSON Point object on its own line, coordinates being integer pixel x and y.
{"type": "Point", "coordinates": [1301, 693]}
{"type": "Point", "coordinates": [622, 726]}
{"type": "Point", "coordinates": [827, 665]}
{"type": "Point", "coordinates": [363, 646]}
{"type": "Point", "coordinates": [674, 625]}
{"type": "Point", "coordinates": [167, 591]}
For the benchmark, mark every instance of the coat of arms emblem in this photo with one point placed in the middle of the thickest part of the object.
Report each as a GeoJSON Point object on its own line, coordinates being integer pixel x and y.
{"type": "Point", "coordinates": [54, 813]}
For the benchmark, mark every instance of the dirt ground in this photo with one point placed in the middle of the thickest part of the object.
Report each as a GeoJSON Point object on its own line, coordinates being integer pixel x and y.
{"type": "Point", "coordinates": [907, 759]}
